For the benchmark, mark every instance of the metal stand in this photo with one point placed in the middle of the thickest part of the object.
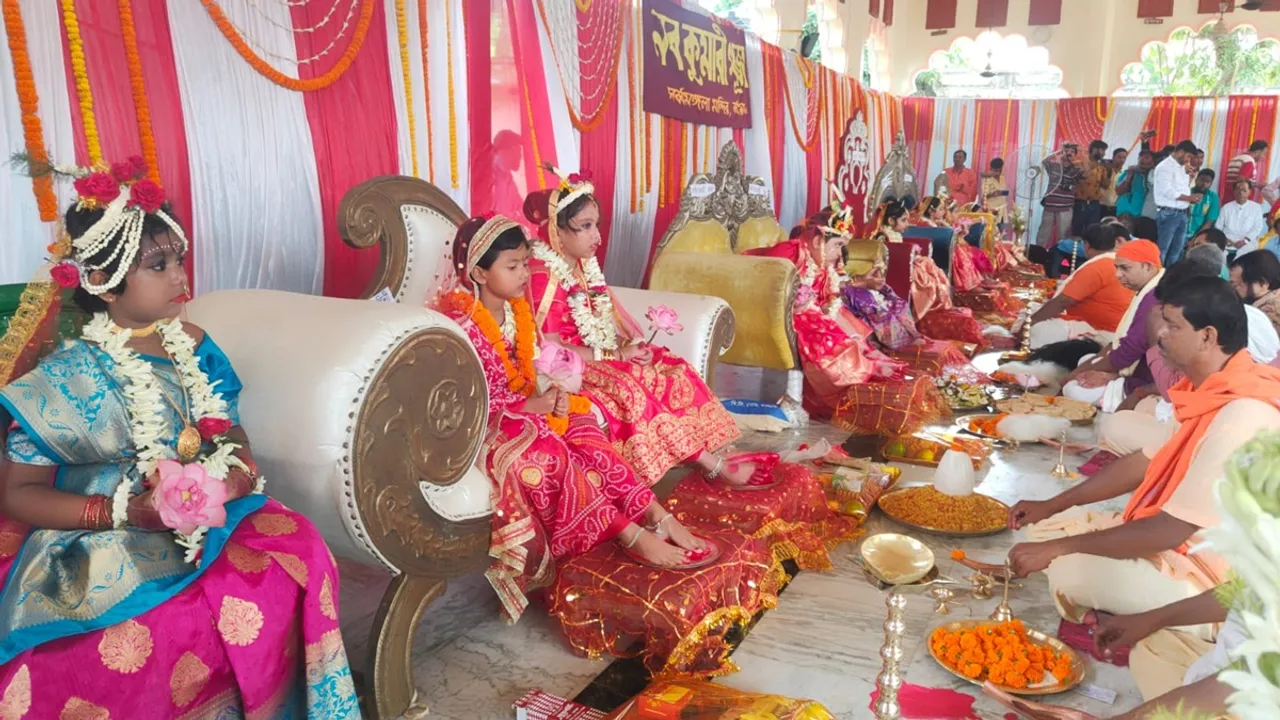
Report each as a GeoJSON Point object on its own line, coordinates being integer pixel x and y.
{"type": "Point", "coordinates": [889, 681]}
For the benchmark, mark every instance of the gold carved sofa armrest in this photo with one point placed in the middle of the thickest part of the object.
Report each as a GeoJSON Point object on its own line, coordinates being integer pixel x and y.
{"type": "Point", "coordinates": [760, 290]}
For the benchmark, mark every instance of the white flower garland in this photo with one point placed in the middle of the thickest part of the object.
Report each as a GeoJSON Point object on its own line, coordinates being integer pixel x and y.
{"type": "Point", "coordinates": [835, 281]}
{"type": "Point", "coordinates": [146, 406]}
{"type": "Point", "coordinates": [589, 302]}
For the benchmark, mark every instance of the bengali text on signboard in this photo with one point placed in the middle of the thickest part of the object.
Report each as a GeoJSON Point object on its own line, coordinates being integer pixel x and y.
{"type": "Point", "coordinates": [695, 66]}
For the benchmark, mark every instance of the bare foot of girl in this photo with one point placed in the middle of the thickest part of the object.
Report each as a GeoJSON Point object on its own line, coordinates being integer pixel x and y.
{"type": "Point", "coordinates": [679, 534]}
{"type": "Point", "coordinates": [735, 474]}
{"type": "Point", "coordinates": [658, 551]}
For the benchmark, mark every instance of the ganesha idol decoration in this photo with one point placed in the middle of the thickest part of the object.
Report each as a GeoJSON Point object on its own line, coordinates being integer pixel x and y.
{"type": "Point", "coordinates": [853, 171]}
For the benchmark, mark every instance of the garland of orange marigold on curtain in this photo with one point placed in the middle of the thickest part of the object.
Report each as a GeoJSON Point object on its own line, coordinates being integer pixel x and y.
{"type": "Point", "coordinates": [136, 83]}
{"type": "Point", "coordinates": [265, 69]}
{"type": "Point", "coordinates": [29, 102]}
{"type": "Point", "coordinates": [424, 35]}
{"type": "Point", "coordinates": [402, 36]}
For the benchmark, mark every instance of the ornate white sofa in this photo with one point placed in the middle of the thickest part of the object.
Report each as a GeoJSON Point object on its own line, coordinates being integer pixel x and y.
{"type": "Point", "coordinates": [412, 223]}
{"type": "Point", "coordinates": [367, 418]}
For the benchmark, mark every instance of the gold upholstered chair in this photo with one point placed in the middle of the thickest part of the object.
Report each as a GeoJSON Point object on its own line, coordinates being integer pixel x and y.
{"type": "Point", "coordinates": [720, 216]}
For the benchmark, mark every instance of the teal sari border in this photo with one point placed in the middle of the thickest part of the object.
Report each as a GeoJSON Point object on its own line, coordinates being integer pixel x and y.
{"type": "Point", "coordinates": [144, 598]}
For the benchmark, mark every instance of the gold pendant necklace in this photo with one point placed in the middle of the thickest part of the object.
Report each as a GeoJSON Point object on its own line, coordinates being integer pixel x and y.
{"type": "Point", "coordinates": [189, 440]}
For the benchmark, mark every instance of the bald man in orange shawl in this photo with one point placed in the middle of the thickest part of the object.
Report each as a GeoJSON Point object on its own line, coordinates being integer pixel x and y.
{"type": "Point", "coordinates": [1139, 560]}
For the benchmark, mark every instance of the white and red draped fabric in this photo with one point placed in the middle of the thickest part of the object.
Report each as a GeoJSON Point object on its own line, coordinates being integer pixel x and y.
{"type": "Point", "coordinates": [476, 96]}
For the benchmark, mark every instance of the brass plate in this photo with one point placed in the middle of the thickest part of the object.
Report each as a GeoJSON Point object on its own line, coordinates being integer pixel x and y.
{"type": "Point", "coordinates": [1077, 664]}
{"type": "Point", "coordinates": [896, 559]}
{"type": "Point", "coordinates": [941, 531]}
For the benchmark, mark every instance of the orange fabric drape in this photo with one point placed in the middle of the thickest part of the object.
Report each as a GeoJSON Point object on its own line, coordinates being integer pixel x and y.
{"type": "Point", "coordinates": [1249, 118]}
{"type": "Point", "coordinates": [917, 115]}
{"type": "Point", "coordinates": [1171, 118]}
{"type": "Point", "coordinates": [1078, 122]}
{"type": "Point", "coordinates": [1195, 408]}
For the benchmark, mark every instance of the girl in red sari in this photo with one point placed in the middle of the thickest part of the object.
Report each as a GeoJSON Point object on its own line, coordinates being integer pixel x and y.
{"type": "Point", "coordinates": [855, 385]}
{"type": "Point", "coordinates": [659, 411]}
{"type": "Point", "coordinates": [936, 315]}
{"type": "Point", "coordinates": [559, 487]}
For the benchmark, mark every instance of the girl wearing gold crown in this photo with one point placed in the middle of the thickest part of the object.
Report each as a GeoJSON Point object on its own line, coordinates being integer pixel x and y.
{"type": "Point", "coordinates": [847, 379]}
{"type": "Point", "coordinates": [659, 411]}
{"type": "Point", "coordinates": [146, 572]}
{"type": "Point", "coordinates": [560, 488]}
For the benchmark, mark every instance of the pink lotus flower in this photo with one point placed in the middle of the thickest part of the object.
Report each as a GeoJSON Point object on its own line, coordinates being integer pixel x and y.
{"type": "Point", "coordinates": [560, 366]}
{"type": "Point", "coordinates": [186, 497]}
{"type": "Point", "coordinates": [663, 319]}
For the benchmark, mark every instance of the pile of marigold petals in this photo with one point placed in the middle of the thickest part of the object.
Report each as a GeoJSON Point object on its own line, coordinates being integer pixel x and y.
{"type": "Point", "coordinates": [1001, 653]}
{"type": "Point", "coordinates": [987, 425]}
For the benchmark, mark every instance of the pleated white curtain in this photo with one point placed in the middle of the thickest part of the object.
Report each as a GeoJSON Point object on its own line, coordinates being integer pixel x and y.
{"type": "Point", "coordinates": [439, 171]}
{"type": "Point", "coordinates": [254, 188]}
{"type": "Point", "coordinates": [1208, 131]}
{"type": "Point", "coordinates": [568, 139]}
{"type": "Point", "coordinates": [756, 160]}
{"type": "Point", "coordinates": [1125, 123]}
{"type": "Point", "coordinates": [795, 167]}
{"type": "Point", "coordinates": [953, 122]}
{"type": "Point", "coordinates": [25, 236]}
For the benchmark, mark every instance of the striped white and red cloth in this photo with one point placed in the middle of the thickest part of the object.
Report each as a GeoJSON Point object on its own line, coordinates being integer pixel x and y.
{"type": "Point", "coordinates": [539, 705]}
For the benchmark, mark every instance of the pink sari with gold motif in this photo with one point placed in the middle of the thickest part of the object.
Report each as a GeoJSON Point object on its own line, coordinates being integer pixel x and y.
{"type": "Point", "coordinates": [661, 414]}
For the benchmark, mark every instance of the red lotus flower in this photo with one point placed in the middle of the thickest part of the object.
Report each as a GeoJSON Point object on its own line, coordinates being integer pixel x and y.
{"type": "Point", "coordinates": [211, 427]}
{"type": "Point", "coordinates": [146, 195]}
{"type": "Point", "coordinates": [66, 274]}
{"type": "Point", "coordinates": [99, 187]}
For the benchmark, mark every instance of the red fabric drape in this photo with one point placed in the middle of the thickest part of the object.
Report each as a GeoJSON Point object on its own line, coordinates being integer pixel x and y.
{"type": "Point", "coordinates": [873, 8]}
{"type": "Point", "coordinates": [1171, 118]}
{"type": "Point", "coordinates": [600, 25]}
{"type": "Point", "coordinates": [113, 99]}
{"type": "Point", "coordinates": [774, 116]}
{"type": "Point", "coordinates": [940, 15]}
{"type": "Point", "coordinates": [1155, 8]}
{"type": "Point", "coordinates": [358, 106]}
{"type": "Point", "coordinates": [535, 120]}
{"type": "Point", "coordinates": [477, 19]}
{"type": "Point", "coordinates": [888, 12]}
{"type": "Point", "coordinates": [1249, 118]}
{"type": "Point", "coordinates": [1078, 122]}
{"type": "Point", "coordinates": [671, 165]}
{"type": "Point", "coordinates": [917, 113]}
{"type": "Point", "coordinates": [1212, 7]}
{"type": "Point", "coordinates": [996, 136]}
{"type": "Point", "coordinates": [1045, 12]}
{"type": "Point", "coordinates": [992, 13]}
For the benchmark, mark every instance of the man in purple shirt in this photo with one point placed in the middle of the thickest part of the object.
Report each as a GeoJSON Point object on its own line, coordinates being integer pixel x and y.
{"type": "Point", "coordinates": [1138, 268]}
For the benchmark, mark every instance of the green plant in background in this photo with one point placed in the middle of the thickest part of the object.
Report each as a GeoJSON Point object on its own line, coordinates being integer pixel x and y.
{"type": "Point", "coordinates": [1214, 61]}
{"type": "Point", "coordinates": [730, 10]}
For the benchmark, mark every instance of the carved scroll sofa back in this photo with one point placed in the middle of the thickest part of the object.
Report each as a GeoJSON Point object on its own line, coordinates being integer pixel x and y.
{"type": "Point", "coordinates": [357, 411]}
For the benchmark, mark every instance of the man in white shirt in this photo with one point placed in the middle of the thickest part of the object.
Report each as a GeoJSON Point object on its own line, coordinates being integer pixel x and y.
{"type": "Point", "coordinates": [1243, 221]}
{"type": "Point", "coordinates": [1171, 186]}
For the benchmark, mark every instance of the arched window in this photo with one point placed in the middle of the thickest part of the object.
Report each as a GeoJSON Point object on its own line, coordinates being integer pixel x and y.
{"type": "Point", "coordinates": [991, 66]}
{"type": "Point", "coordinates": [1216, 60]}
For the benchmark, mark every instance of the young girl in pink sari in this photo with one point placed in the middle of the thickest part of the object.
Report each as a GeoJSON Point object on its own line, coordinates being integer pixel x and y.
{"type": "Point", "coordinates": [846, 379]}
{"type": "Point", "coordinates": [146, 575]}
{"type": "Point", "coordinates": [559, 487]}
{"type": "Point", "coordinates": [659, 411]}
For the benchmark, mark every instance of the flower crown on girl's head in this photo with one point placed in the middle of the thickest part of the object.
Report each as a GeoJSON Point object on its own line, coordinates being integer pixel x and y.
{"type": "Point", "coordinates": [840, 223]}
{"type": "Point", "coordinates": [572, 186]}
{"type": "Point", "coordinates": [126, 197]}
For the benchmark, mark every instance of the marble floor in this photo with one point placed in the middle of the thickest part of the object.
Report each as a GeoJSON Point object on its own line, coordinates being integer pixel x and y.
{"type": "Point", "coordinates": [821, 642]}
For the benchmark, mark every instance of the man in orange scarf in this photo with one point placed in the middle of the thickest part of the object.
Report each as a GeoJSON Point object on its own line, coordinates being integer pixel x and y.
{"type": "Point", "coordinates": [1136, 561]}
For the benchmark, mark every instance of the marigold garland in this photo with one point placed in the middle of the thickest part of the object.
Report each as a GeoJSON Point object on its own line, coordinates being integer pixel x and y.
{"type": "Point", "coordinates": [80, 72]}
{"type": "Point", "coordinates": [29, 102]}
{"type": "Point", "coordinates": [521, 375]}
{"type": "Point", "coordinates": [425, 35]}
{"type": "Point", "coordinates": [1099, 112]}
{"type": "Point", "coordinates": [141, 108]}
{"type": "Point", "coordinates": [264, 68]}
{"type": "Point", "coordinates": [402, 35]}
{"type": "Point", "coordinates": [453, 115]}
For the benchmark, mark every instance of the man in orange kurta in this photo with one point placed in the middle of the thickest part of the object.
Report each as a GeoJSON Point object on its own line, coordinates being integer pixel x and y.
{"type": "Point", "coordinates": [1136, 561]}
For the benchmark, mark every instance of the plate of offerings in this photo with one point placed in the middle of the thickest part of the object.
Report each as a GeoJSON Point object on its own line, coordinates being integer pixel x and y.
{"type": "Point", "coordinates": [961, 395]}
{"type": "Point", "coordinates": [926, 449]}
{"type": "Point", "coordinates": [1014, 658]}
{"type": "Point", "coordinates": [925, 508]}
{"type": "Point", "coordinates": [896, 559]}
{"type": "Point", "coordinates": [1079, 413]}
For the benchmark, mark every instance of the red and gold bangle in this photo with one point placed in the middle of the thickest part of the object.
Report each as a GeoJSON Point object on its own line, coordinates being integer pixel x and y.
{"type": "Point", "coordinates": [95, 515]}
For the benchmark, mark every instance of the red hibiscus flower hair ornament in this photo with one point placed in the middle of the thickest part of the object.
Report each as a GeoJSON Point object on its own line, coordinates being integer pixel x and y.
{"type": "Point", "coordinates": [126, 198]}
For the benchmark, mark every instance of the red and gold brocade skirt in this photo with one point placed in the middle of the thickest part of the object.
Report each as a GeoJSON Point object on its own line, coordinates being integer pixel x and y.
{"type": "Point", "coordinates": [676, 620]}
{"type": "Point", "coordinates": [930, 357]}
{"type": "Point", "coordinates": [792, 517]}
{"type": "Point", "coordinates": [996, 304]}
{"type": "Point", "coordinates": [660, 415]}
{"type": "Point", "coordinates": [890, 407]}
{"type": "Point", "coordinates": [957, 324]}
